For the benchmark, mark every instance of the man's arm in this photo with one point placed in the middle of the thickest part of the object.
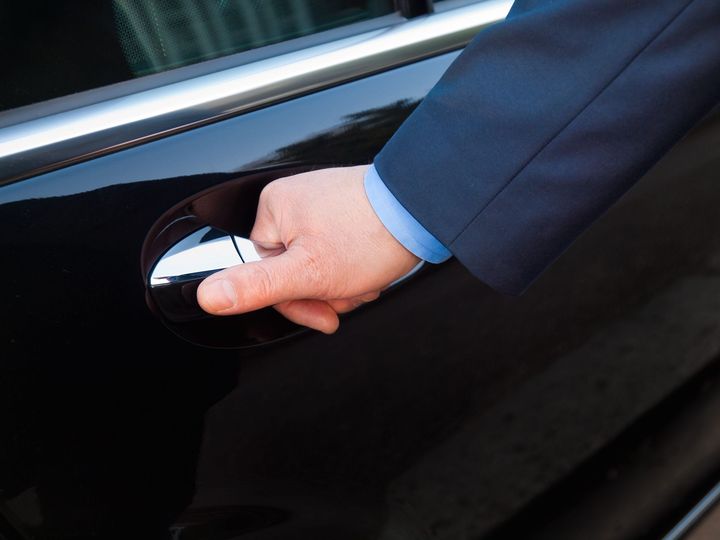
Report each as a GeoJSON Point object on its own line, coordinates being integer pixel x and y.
{"type": "Point", "coordinates": [545, 120]}
{"type": "Point", "coordinates": [535, 130]}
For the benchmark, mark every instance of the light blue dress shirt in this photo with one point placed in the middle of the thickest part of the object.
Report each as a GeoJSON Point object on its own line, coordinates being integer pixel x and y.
{"type": "Point", "coordinates": [405, 228]}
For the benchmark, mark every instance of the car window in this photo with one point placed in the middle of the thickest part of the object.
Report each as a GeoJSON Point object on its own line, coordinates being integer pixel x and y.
{"type": "Point", "coordinates": [58, 48]}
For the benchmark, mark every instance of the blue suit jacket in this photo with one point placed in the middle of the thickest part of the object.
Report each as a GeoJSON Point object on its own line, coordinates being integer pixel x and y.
{"type": "Point", "coordinates": [545, 120]}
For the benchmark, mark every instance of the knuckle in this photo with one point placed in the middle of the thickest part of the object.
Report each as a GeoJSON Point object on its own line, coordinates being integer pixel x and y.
{"type": "Point", "coordinates": [271, 192]}
{"type": "Point", "coordinates": [266, 195]}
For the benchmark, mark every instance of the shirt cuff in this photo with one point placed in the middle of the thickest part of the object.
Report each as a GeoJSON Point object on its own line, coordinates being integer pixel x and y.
{"type": "Point", "coordinates": [405, 228]}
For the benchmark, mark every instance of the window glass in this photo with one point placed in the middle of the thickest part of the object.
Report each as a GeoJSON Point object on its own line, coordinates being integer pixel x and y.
{"type": "Point", "coordinates": [52, 49]}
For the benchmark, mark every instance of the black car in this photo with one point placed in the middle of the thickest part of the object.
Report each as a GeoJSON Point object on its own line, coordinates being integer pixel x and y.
{"type": "Point", "coordinates": [585, 409]}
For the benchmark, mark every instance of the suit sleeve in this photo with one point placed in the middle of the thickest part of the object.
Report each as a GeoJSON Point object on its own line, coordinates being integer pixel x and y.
{"type": "Point", "coordinates": [545, 120]}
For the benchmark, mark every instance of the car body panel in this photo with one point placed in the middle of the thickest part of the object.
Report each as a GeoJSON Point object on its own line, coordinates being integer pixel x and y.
{"type": "Point", "coordinates": [438, 411]}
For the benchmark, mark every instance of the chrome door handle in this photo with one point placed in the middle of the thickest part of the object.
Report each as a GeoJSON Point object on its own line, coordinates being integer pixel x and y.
{"type": "Point", "coordinates": [204, 252]}
{"type": "Point", "coordinates": [174, 279]}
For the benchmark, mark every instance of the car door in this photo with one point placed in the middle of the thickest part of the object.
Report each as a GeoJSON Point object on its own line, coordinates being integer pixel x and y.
{"type": "Point", "coordinates": [440, 411]}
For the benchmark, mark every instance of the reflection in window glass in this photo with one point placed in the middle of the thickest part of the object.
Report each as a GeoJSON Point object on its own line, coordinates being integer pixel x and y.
{"type": "Point", "coordinates": [58, 48]}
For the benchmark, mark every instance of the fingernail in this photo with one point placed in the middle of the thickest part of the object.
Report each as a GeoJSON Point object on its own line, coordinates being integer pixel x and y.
{"type": "Point", "coordinates": [219, 295]}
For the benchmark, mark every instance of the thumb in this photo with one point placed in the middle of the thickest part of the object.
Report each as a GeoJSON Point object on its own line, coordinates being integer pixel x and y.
{"type": "Point", "coordinates": [256, 285]}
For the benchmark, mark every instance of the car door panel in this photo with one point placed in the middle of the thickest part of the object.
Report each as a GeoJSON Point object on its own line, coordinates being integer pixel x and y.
{"type": "Point", "coordinates": [439, 411]}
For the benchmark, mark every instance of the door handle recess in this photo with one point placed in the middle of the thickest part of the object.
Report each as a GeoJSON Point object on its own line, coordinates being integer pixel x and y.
{"type": "Point", "coordinates": [203, 235]}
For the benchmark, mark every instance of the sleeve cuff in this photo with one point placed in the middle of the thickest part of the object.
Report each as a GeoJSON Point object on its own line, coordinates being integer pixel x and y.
{"type": "Point", "coordinates": [401, 224]}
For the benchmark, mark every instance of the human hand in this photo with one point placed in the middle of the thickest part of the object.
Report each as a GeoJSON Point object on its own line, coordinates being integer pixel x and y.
{"type": "Point", "coordinates": [335, 253]}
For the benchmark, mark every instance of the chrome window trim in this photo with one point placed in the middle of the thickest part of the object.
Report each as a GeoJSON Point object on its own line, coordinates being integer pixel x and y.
{"type": "Point", "coordinates": [45, 143]}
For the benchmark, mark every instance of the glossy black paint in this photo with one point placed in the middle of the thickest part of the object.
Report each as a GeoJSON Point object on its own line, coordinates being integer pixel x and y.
{"type": "Point", "coordinates": [438, 412]}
